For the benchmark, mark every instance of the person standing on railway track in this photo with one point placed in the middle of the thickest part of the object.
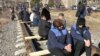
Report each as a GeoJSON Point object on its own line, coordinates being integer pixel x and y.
{"type": "Point", "coordinates": [24, 14]}
{"type": "Point", "coordinates": [81, 11]}
{"type": "Point", "coordinates": [59, 44]}
{"type": "Point", "coordinates": [12, 13]}
{"type": "Point", "coordinates": [81, 37]}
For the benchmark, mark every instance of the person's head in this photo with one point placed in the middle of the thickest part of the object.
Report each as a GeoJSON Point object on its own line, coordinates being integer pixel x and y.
{"type": "Point", "coordinates": [43, 17]}
{"type": "Point", "coordinates": [79, 3]}
{"type": "Point", "coordinates": [81, 22]}
{"type": "Point", "coordinates": [58, 24]}
{"type": "Point", "coordinates": [46, 13]}
{"type": "Point", "coordinates": [61, 16]}
{"type": "Point", "coordinates": [96, 54]}
{"type": "Point", "coordinates": [23, 7]}
{"type": "Point", "coordinates": [34, 10]}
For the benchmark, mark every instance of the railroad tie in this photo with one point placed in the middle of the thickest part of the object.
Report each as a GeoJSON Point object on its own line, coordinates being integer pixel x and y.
{"type": "Point", "coordinates": [19, 40]}
{"type": "Point", "coordinates": [19, 36]}
{"type": "Point", "coordinates": [22, 44]}
{"type": "Point", "coordinates": [21, 51]}
{"type": "Point", "coordinates": [19, 33]}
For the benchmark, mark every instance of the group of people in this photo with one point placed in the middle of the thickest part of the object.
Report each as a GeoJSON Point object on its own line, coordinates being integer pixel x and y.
{"type": "Point", "coordinates": [61, 41]}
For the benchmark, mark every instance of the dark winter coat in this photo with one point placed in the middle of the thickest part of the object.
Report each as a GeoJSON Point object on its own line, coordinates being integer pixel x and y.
{"type": "Point", "coordinates": [44, 27]}
{"type": "Point", "coordinates": [80, 35]}
{"type": "Point", "coordinates": [58, 38]}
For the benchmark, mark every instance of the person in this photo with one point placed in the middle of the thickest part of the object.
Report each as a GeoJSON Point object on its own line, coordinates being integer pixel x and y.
{"type": "Point", "coordinates": [17, 8]}
{"type": "Point", "coordinates": [81, 37]}
{"type": "Point", "coordinates": [62, 17]}
{"type": "Point", "coordinates": [44, 27]}
{"type": "Point", "coordinates": [96, 54]}
{"type": "Point", "coordinates": [81, 11]}
{"type": "Point", "coordinates": [36, 19]}
{"type": "Point", "coordinates": [31, 18]}
{"type": "Point", "coordinates": [37, 8]}
{"type": "Point", "coordinates": [99, 45]}
{"type": "Point", "coordinates": [20, 15]}
{"type": "Point", "coordinates": [58, 42]}
{"type": "Point", "coordinates": [46, 13]}
{"type": "Point", "coordinates": [89, 9]}
{"type": "Point", "coordinates": [12, 13]}
{"type": "Point", "coordinates": [47, 7]}
{"type": "Point", "coordinates": [32, 15]}
{"type": "Point", "coordinates": [24, 14]}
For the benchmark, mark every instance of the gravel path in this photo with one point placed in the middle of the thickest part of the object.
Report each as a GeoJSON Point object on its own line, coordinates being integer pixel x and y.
{"type": "Point", "coordinates": [7, 39]}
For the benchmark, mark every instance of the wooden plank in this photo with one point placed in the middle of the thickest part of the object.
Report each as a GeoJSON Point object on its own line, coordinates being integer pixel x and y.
{"type": "Point", "coordinates": [22, 44]}
{"type": "Point", "coordinates": [39, 53]}
{"type": "Point", "coordinates": [27, 22]}
{"type": "Point", "coordinates": [21, 51]}
{"type": "Point", "coordinates": [32, 37]}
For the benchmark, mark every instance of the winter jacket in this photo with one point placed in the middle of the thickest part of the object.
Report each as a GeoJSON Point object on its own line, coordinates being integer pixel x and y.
{"type": "Point", "coordinates": [81, 12]}
{"type": "Point", "coordinates": [36, 20]}
{"type": "Point", "coordinates": [32, 16]}
{"type": "Point", "coordinates": [78, 35]}
{"type": "Point", "coordinates": [58, 38]}
{"type": "Point", "coordinates": [44, 27]}
{"type": "Point", "coordinates": [26, 16]}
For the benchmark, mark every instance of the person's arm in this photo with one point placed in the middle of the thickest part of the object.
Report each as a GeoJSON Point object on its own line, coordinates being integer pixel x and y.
{"type": "Point", "coordinates": [87, 34]}
{"type": "Point", "coordinates": [48, 25]}
{"type": "Point", "coordinates": [31, 16]}
{"type": "Point", "coordinates": [76, 35]}
{"type": "Point", "coordinates": [69, 39]}
{"type": "Point", "coordinates": [68, 47]}
{"type": "Point", "coordinates": [54, 40]}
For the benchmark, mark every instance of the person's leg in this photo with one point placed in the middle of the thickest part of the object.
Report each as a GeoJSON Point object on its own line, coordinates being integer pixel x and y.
{"type": "Point", "coordinates": [99, 45]}
{"type": "Point", "coordinates": [12, 18]}
{"type": "Point", "coordinates": [83, 49]}
{"type": "Point", "coordinates": [45, 37]}
{"type": "Point", "coordinates": [67, 53]}
{"type": "Point", "coordinates": [88, 51]}
{"type": "Point", "coordinates": [78, 47]}
{"type": "Point", "coordinates": [57, 52]}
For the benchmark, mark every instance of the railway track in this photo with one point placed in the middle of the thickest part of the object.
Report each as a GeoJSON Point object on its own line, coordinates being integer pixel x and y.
{"type": "Point", "coordinates": [31, 44]}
